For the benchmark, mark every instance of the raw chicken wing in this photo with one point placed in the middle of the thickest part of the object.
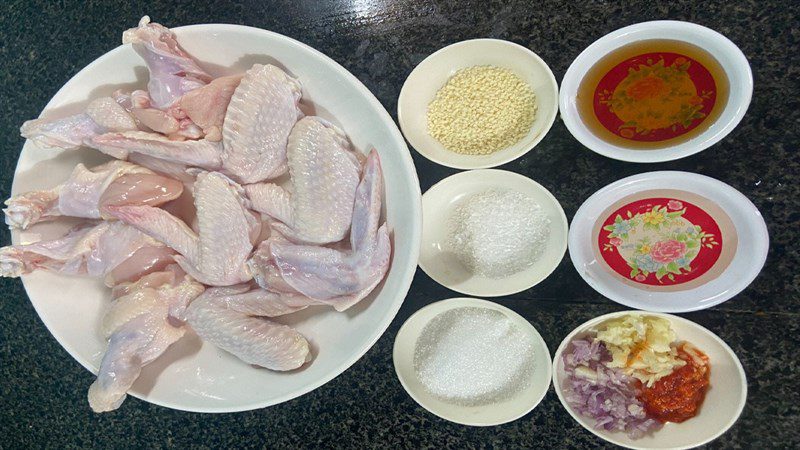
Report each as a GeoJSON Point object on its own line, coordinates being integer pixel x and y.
{"type": "Point", "coordinates": [140, 325]}
{"type": "Point", "coordinates": [324, 176]}
{"type": "Point", "coordinates": [202, 153]}
{"type": "Point", "coordinates": [206, 106]}
{"type": "Point", "coordinates": [261, 113]}
{"type": "Point", "coordinates": [265, 273]}
{"type": "Point", "coordinates": [102, 116]}
{"type": "Point", "coordinates": [338, 278]}
{"type": "Point", "coordinates": [88, 191]}
{"type": "Point", "coordinates": [173, 170]}
{"type": "Point", "coordinates": [251, 300]}
{"type": "Point", "coordinates": [254, 340]}
{"type": "Point", "coordinates": [111, 249]}
{"type": "Point", "coordinates": [216, 255]}
{"type": "Point", "coordinates": [173, 72]}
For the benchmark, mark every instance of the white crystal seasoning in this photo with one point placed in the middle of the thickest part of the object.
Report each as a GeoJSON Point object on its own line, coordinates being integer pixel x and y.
{"type": "Point", "coordinates": [473, 356]}
{"type": "Point", "coordinates": [497, 233]}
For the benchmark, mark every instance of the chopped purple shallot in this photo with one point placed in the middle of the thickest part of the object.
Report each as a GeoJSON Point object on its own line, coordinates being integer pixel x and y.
{"type": "Point", "coordinates": [606, 395]}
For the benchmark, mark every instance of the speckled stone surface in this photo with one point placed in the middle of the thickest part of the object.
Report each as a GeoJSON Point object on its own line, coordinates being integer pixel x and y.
{"type": "Point", "coordinates": [42, 390]}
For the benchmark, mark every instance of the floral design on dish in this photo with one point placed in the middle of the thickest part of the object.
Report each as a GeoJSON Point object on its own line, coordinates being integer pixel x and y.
{"type": "Point", "coordinates": [655, 96]}
{"type": "Point", "coordinates": [660, 241]}
{"type": "Point", "coordinates": [656, 86]}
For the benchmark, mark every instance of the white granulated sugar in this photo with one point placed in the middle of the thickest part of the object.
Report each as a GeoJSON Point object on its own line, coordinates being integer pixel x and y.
{"type": "Point", "coordinates": [473, 356]}
{"type": "Point", "coordinates": [497, 233]}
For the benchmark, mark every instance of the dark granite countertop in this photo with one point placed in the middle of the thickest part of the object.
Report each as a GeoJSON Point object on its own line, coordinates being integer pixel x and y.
{"type": "Point", "coordinates": [43, 390]}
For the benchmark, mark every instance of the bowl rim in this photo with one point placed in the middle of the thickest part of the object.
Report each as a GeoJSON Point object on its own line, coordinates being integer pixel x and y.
{"type": "Point", "coordinates": [605, 44]}
{"type": "Point", "coordinates": [563, 222]}
{"type": "Point", "coordinates": [672, 318]}
{"type": "Point", "coordinates": [583, 216]}
{"type": "Point", "coordinates": [422, 150]}
{"type": "Point", "coordinates": [458, 302]}
{"type": "Point", "coordinates": [415, 232]}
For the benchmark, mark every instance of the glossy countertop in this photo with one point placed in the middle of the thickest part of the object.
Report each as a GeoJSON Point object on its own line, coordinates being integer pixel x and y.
{"type": "Point", "coordinates": [43, 391]}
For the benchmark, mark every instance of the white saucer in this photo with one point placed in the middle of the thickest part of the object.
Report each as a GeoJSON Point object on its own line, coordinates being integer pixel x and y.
{"type": "Point", "coordinates": [432, 73]}
{"type": "Point", "coordinates": [444, 267]}
{"type": "Point", "coordinates": [726, 52]}
{"type": "Point", "coordinates": [712, 269]}
{"type": "Point", "coordinates": [721, 408]}
{"type": "Point", "coordinates": [486, 415]}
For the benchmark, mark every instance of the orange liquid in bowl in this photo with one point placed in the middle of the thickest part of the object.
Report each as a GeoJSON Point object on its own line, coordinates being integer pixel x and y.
{"type": "Point", "coordinates": [653, 94]}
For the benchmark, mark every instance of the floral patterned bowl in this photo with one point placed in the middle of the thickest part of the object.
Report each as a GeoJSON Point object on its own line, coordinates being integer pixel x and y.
{"type": "Point", "coordinates": [729, 57]}
{"type": "Point", "coordinates": [668, 241]}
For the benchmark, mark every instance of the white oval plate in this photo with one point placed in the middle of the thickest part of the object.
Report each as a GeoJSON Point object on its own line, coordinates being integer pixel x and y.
{"type": "Point", "coordinates": [752, 243]}
{"type": "Point", "coordinates": [191, 375]}
{"type": "Point", "coordinates": [432, 73]}
{"type": "Point", "coordinates": [485, 415]}
{"type": "Point", "coordinates": [724, 402]}
{"type": "Point", "coordinates": [726, 52]}
{"type": "Point", "coordinates": [438, 204]}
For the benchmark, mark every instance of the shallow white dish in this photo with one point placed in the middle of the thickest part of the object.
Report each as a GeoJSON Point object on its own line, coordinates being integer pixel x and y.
{"type": "Point", "coordinates": [726, 52]}
{"type": "Point", "coordinates": [741, 255]}
{"type": "Point", "coordinates": [439, 202]}
{"type": "Point", "coordinates": [724, 401]}
{"type": "Point", "coordinates": [433, 72]}
{"type": "Point", "coordinates": [191, 375]}
{"type": "Point", "coordinates": [486, 415]}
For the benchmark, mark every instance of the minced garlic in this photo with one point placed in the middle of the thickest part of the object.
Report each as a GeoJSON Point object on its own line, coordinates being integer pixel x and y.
{"type": "Point", "coordinates": [481, 110]}
{"type": "Point", "coordinates": [641, 346]}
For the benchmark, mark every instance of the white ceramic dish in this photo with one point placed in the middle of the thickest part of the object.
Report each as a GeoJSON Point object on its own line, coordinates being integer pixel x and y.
{"type": "Point", "coordinates": [487, 415]}
{"type": "Point", "coordinates": [726, 52]}
{"type": "Point", "coordinates": [439, 202]}
{"type": "Point", "coordinates": [191, 375]}
{"type": "Point", "coordinates": [741, 254]}
{"type": "Point", "coordinates": [433, 72]}
{"type": "Point", "coordinates": [722, 406]}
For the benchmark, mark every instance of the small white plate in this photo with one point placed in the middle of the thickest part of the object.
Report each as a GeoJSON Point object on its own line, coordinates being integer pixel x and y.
{"type": "Point", "coordinates": [722, 406]}
{"type": "Point", "coordinates": [730, 57]}
{"type": "Point", "coordinates": [439, 202]}
{"type": "Point", "coordinates": [485, 415]}
{"type": "Point", "coordinates": [716, 273]}
{"type": "Point", "coordinates": [433, 72]}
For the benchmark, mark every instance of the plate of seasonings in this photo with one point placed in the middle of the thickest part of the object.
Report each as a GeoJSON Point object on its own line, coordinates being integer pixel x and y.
{"type": "Point", "coordinates": [472, 362]}
{"type": "Point", "coordinates": [478, 104]}
{"type": "Point", "coordinates": [646, 380]}
{"type": "Point", "coordinates": [491, 233]}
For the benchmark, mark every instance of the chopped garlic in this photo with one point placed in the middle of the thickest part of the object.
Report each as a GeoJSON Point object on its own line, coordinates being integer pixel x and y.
{"type": "Point", "coordinates": [481, 110]}
{"type": "Point", "coordinates": [641, 346]}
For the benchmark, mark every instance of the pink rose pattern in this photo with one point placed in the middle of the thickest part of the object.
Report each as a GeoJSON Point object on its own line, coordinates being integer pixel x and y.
{"type": "Point", "coordinates": [676, 243]}
{"type": "Point", "coordinates": [674, 205]}
{"type": "Point", "coordinates": [667, 251]}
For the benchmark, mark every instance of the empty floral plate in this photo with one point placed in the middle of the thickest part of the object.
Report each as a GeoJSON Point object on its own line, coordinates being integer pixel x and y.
{"type": "Point", "coordinates": [668, 241]}
{"type": "Point", "coordinates": [196, 376]}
